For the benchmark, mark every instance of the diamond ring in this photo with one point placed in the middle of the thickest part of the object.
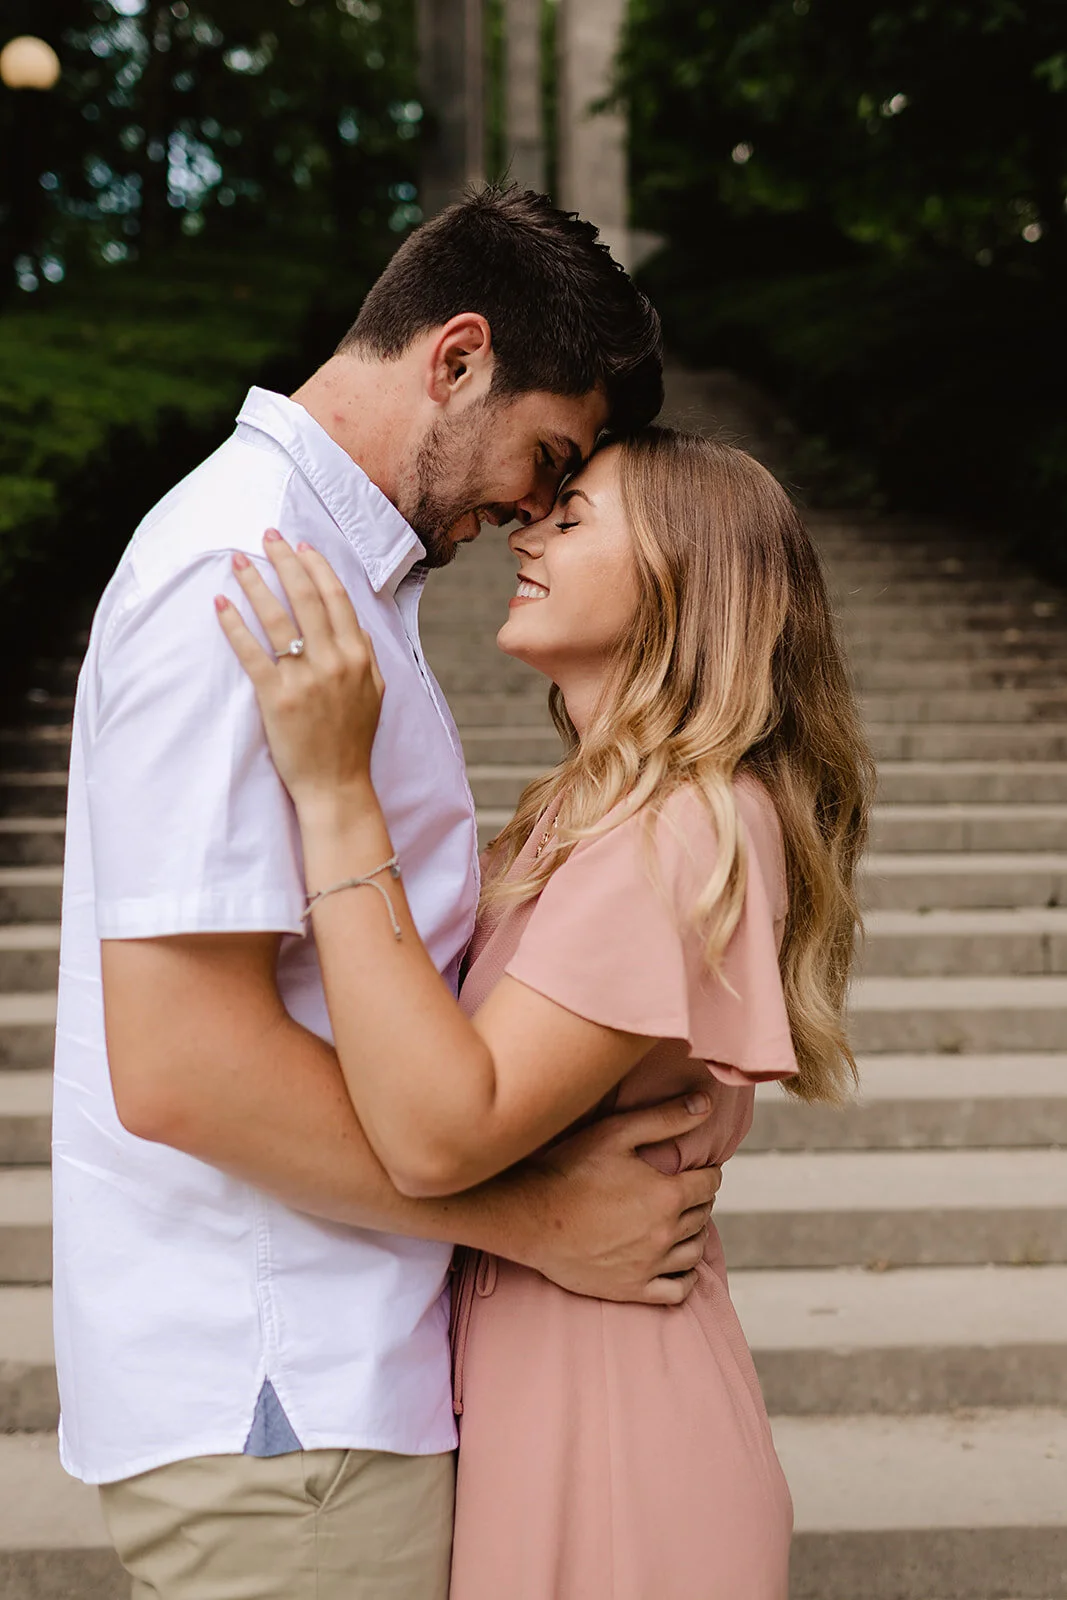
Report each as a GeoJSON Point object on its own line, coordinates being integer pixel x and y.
{"type": "Point", "coordinates": [294, 648]}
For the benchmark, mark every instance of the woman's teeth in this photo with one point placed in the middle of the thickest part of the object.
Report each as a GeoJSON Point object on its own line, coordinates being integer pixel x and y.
{"type": "Point", "coordinates": [529, 591]}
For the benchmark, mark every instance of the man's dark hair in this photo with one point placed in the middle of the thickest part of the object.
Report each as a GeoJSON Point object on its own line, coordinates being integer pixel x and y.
{"type": "Point", "coordinates": [565, 317]}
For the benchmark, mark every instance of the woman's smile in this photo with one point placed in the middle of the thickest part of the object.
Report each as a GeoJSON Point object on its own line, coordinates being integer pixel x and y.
{"type": "Point", "coordinates": [527, 589]}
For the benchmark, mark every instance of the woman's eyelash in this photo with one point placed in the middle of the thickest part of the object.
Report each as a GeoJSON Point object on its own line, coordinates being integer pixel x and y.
{"type": "Point", "coordinates": [563, 526]}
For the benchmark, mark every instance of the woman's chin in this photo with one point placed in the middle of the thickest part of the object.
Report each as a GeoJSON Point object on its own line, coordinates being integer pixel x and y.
{"type": "Point", "coordinates": [511, 642]}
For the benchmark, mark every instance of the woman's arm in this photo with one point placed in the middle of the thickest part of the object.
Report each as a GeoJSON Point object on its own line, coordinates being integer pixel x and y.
{"type": "Point", "coordinates": [445, 1102]}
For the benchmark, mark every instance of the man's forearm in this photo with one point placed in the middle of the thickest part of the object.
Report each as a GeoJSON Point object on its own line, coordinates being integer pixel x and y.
{"type": "Point", "coordinates": [293, 1133]}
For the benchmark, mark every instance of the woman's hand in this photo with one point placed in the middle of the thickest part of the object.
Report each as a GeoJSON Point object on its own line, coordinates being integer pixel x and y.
{"type": "Point", "coordinates": [321, 706]}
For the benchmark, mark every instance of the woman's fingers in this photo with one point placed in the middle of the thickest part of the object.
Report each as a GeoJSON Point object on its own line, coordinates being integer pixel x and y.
{"type": "Point", "coordinates": [277, 620]}
{"type": "Point", "coordinates": [312, 623]}
{"type": "Point", "coordinates": [331, 592]}
{"type": "Point", "coordinates": [249, 652]}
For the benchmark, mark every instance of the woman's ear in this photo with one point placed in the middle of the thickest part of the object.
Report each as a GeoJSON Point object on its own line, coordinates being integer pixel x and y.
{"type": "Point", "coordinates": [460, 359]}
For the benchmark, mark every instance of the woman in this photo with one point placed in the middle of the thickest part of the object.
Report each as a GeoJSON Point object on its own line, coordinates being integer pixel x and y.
{"type": "Point", "coordinates": [672, 909]}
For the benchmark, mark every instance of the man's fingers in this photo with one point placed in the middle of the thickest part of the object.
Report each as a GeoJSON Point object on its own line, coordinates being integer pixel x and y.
{"type": "Point", "coordinates": [695, 1221]}
{"type": "Point", "coordinates": [246, 648]}
{"type": "Point", "coordinates": [698, 1187]}
{"type": "Point", "coordinates": [670, 1291]}
{"type": "Point", "coordinates": [667, 1121]}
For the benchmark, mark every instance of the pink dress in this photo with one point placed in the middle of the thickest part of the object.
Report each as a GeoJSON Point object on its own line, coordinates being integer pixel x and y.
{"type": "Point", "coordinates": [623, 1452]}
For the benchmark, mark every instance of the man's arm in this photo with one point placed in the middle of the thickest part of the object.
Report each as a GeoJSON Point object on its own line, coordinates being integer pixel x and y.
{"type": "Point", "coordinates": [204, 1057]}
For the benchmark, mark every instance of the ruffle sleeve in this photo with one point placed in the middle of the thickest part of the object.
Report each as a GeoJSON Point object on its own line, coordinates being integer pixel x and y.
{"type": "Point", "coordinates": [612, 939]}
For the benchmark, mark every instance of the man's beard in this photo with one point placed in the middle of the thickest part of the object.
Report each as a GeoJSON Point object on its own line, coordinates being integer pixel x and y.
{"type": "Point", "coordinates": [439, 505]}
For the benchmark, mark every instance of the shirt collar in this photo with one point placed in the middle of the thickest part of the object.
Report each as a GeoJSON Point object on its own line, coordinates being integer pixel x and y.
{"type": "Point", "coordinates": [385, 542]}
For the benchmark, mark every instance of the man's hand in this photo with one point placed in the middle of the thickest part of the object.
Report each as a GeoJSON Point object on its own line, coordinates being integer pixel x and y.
{"type": "Point", "coordinates": [609, 1224]}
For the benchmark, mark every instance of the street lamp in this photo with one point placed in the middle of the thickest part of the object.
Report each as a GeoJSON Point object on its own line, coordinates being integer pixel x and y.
{"type": "Point", "coordinates": [30, 67]}
{"type": "Point", "coordinates": [29, 63]}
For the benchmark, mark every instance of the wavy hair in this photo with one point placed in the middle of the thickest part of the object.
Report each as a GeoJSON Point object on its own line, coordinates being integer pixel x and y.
{"type": "Point", "coordinates": [731, 668]}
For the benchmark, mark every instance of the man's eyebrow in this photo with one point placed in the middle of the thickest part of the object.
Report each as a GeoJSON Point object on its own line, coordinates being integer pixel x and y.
{"type": "Point", "coordinates": [573, 494]}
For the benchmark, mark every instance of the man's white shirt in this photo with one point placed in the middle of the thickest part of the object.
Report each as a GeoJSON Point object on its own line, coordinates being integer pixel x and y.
{"type": "Point", "coordinates": [181, 1292]}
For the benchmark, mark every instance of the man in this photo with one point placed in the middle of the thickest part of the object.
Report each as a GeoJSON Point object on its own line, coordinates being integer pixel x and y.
{"type": "Point", "coordinates": [252, 1328]}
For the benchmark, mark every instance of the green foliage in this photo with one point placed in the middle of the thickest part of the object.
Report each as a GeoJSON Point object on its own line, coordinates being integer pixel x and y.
{"type": "Point", "coordinates": [228, 116]}
{"type": "Point", "coordinates": [865, 208]}
{"type": "Point", "coordinates": [110, 393]}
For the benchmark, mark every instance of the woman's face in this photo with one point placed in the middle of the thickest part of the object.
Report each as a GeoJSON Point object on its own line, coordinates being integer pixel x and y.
{"type": "Point", "coordinates": [577, 590]}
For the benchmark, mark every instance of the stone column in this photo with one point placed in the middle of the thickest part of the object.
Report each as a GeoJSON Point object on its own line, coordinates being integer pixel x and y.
{"type": "Point", "coordinates": [452, 73]}
{"type": "Point", "coordinates": [593, 177]}
{"type": "Point", "coordinates": [524, 120]}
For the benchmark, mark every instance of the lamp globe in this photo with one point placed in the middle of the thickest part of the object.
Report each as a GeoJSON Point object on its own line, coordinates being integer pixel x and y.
{"type": "Point", "coordinates": [29, 63]}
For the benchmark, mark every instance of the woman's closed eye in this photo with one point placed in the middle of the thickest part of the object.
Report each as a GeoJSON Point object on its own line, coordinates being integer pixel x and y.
{"type": "Point", "coordinates": [563, 526]}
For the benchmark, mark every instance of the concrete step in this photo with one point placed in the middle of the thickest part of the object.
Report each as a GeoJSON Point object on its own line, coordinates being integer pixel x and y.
{"type": "Point", "coordinates": [958, 1015]}
{"type": "Point", "coordinates": [908, 1102]}
{"type": "Point", "coordinates": [952, 741]}
{"type": "Point", "coordinates": [1023, 941]}
{"type": "Point", "coordinates": [892, 639]}
{"type": "Point", "coordinates": [31, 841]}
{"type": "Point", "coordinates": [30, 894]}
{"type": "Point", "coordinates": [525, 709]}
{"type": "Point", "coordinates": [29, 1400]}
{"type": "Point", "coordinates": [511, 746]}
{"type": "Point", "coordinates": [995, 613]}
{"type": "Point", "coordinates": [937, 704]}
{"type": "Point", "coordinates": [831, 1343]}
{"type": "Point", "coordinates": [25, 1118]}
{"type": "Point", "coordinates": [958, 826]}
{"type": "Point", "coordinates": [33, 794]}
{"type": "Point", "coordinates": [29, 956]}
{"type": "Point", "coordinates": [916, 881]}
{"type": "Point", "coordinates": [27, 1029]}
{"type": "Point", "coordinates": [894, 1207]}
{"type": "Point", "coordinates": [53, 1543]}
{"type": "Point", "coordinates": [25, 1225]}
{"type": "Point", "coordinates": [972, 782]}
{"type": "Point", "coordinates": [1011, 672]}
{"type": "Point", "coordinates": [942, 1507]}
{"type": "Point", "coordinates": [44, 748]}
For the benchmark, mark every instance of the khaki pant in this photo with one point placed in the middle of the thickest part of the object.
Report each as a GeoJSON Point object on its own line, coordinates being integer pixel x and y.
{"type": "Point", "coordinates": [313, 1525]}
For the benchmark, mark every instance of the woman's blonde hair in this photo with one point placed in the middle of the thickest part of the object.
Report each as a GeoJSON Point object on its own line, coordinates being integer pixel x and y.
{"type": "Point", "coordinates": [731, 668]}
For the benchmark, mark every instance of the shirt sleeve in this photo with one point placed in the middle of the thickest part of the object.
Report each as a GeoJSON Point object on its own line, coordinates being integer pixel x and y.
{"type": "Point", "coordinates": [192, 830]}
{"type": "Point", "coordinates": [613, 939]}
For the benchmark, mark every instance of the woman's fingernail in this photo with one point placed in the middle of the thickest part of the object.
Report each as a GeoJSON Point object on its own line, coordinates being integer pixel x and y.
{"type": "Point", "coordinates": [240, 560]}
{"type": "Point", "coordinates": [303, 545]}
{"type": "Point", "coordinates": [221, 603]}
{"type": "Point", "coordinates": [697, 1104]}
{"type": "Point", "coordinates": [272, 536]}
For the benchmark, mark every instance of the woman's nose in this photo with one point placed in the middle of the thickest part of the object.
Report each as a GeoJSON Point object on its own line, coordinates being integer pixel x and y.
{"type": "Point", "coordinates": [527, 541]}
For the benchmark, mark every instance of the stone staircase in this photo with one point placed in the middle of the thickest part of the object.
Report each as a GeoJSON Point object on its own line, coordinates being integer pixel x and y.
{"type": "Point", "coordinates": [900, 1267]}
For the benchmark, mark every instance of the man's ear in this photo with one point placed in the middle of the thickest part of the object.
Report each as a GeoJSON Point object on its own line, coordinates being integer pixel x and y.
{"type": "Point", "coordinates": [460, 358]}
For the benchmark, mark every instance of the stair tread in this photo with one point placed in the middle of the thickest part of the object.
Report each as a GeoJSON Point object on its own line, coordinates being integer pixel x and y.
{"type": "Point", "coordinates": [18, 1010]}
{"type": "Point", "coordinates": [26, 1324]}
{"type": "Point", "coordinates": [849, 1308]}
{"type": "Point", "coordinates": [40, 1506]}
{"type": "Point", "coordinates": [29, 936]}
{"type": "Point", "coordinates": [30, 877]}
{"type": "Point", "coordinates": [989, 1469]}
{"type": "Point", "coordinates": [941, 992]}
{"type": "Point", "coordinates": [26, 1094]}
{"type": "Point", "coordinates": [950, 1077]}
{"type": "Point", "coordinates": [866, 1181]}
{"type": "Point", "coordinates": [25, 1197]}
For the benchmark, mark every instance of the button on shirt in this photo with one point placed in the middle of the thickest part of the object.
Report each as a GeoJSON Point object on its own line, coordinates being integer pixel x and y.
{"type": "Point", "coordinates": [182, 1295]}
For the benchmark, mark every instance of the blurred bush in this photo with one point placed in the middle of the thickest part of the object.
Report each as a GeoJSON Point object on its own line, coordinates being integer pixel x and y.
{"type": "Point", "coordinates": [864, 207]}
{"type": "Point", "coordinates": [200, 204]}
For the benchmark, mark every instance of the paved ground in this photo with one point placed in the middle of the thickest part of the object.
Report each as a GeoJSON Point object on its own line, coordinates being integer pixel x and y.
{"type": "Point", "coordinates": [901, 1267]}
